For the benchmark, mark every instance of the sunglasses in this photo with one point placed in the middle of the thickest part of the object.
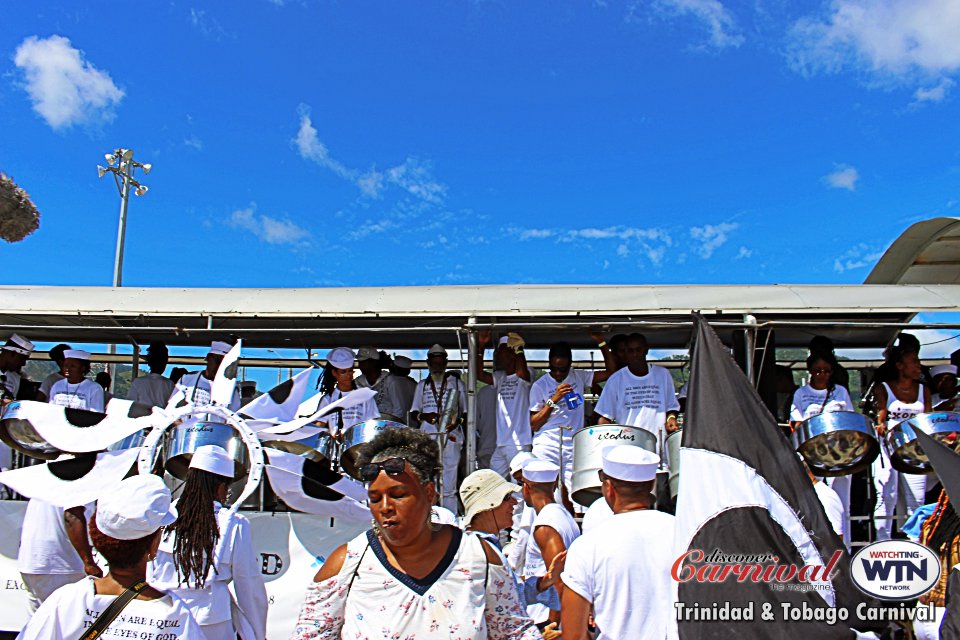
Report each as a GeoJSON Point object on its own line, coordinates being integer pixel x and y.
{"type": "Point", "coordinates": [390, 466]}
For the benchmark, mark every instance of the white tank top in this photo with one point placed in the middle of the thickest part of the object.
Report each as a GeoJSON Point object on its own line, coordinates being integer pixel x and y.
{"type": "Point", "coordinates": [898, 411]}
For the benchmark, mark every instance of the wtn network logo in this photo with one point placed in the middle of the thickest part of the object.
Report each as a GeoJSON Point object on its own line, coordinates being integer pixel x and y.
{"type": "Point", "coordinates": [895, 569]}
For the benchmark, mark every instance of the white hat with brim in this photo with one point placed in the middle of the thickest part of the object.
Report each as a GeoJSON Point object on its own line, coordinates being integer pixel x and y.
{"type": "Point", "coordinates": [483, 490]}
{"type": "Point", "coordinates": [540, 472]}
{"type": "Point", "coordinates": [403, 362]}
{"type": "Point", "coordinates": [135, 508]}
{"type": "Point", "coordinates": [340, 358]}
{"type": "Point", "coordinates": [437, 350]}
{"type": "Point", "coordinates": [214, 459]}
{"type": "Point", "coordinates": [941, 369]}
{"type": "Point", "coordinates": [367, 353]}
{"type": "Point", "coordinates": [628, 463]}
{"type": "Point", "coordinates": [76, 354]}
{"type": "Point", "coordinates": [18, 344]}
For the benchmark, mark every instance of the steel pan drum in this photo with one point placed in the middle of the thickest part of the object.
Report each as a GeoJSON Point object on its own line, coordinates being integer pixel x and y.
{"type": "Point", "coordinates": [319, 448]}
{"type": "Point", "coordinates": [184, 439]}
{"type": "Point", "coordinates": [588, 446]}
{"type": "Point", "coordinates": [837, 443]}
{"type": "Point", "coordinates": [359, 435]}
{"type": "Point", "coordinates": [672, 445]}
{"type": "Point", "coordinates": [907, 455]}
{"type": "Point", "coordinates": [19, 434]}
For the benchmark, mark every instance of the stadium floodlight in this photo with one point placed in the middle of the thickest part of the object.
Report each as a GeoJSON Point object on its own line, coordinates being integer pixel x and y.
{"type": "Point", "coordinates": [100, 171]}
{"type": "Point", "coordinates": [110, 158]}
{"type": "Point", "coordinates": [147, 167]}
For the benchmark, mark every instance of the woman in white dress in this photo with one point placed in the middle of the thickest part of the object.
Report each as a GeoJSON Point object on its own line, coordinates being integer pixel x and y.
{"type": "Point", "coordinates": [407, 578]}
{"type": "Point", "coordinates": [207, 548]}
{"type": "Point", "coordinates": [126, 531]}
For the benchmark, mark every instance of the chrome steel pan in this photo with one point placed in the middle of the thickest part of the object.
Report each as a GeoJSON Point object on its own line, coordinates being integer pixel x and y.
{"type": "Point", "coordinates": [837, 443]}
{"type": "Point", "coordinates": [359, 435]}
{"type": "Point", "coordinates": [319, 448]}
{"type": "Point", "coordinates": [588, 446]}
{"type": "Point", "coordinates": [906, 454]}
{"type": "Point", "coordinates": [19, 434]}
{"type": "Point", "coordinates": [185, 438]}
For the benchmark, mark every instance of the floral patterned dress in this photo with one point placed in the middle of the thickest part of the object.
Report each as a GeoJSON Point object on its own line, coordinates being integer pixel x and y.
{"type": "Point", "coordinates": [463, 598]}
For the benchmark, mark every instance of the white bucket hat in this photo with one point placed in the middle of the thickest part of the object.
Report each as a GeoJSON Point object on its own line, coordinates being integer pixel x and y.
{"type": "Point", "coordinates": [483, 490]}
{"type": "Point", "coordinates": [213, 458]}
{"type": "Point", "coordinates": [135, 508]}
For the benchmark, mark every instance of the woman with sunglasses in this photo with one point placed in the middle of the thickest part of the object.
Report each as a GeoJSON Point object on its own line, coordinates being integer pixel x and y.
{"type": "Point", "coordinates": [822, 395]}
{"type": "Point", "coordinates": [337, 381]}
{"type": "Point", "coordinates": [406, 577]}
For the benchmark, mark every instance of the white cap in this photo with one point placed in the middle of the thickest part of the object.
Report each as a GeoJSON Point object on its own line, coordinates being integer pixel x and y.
{"type": "Point", "coordinates": [18, 344]}
{"type": "Point", "coordinates": [340, 358]}
{"type": "Point", "coordinates": [403, 362]}
{"type": "Point", "coordinates": [135, 508]}
{"type": "Point", "coordinates": [940, 369]}
{"type": "Point", "coordinates": [517, 462]}
{"type": "Point", "coordinates": [367, 353]}
{"type": "Point", "coordinates": [503, 340]}
{"type": "Point", "coordinates": [483, 490]}
{"type": "Point", "coordinates": [437, 350]}
{"type": "Point", "coordinates": [629, 463]}
{"type": "Point", "coordinates": [540, 471]}
{"type": "Point", "coordinates": [76, 354]}
{"type": "Point", "coordinates": [218, 348]}
{"type": "Point", "coordinates": [212, 458]}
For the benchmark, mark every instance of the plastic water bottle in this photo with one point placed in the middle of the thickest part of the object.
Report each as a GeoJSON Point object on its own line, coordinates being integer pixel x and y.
{"type": "Point", "coordinates": [573, 400]}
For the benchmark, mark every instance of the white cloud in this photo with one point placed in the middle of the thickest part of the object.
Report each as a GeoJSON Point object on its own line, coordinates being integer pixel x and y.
{"type": "Point", "coordinates": [888, 39]}
{"type": "Point", "coordinates": [652, 243]}
{"type": "Point", "coordinates": [857, 257]}
{"type": "Point", "coordinates": [843, 177]}
{"type": "Point", "coordinates": [194, 142]}
{"type": "Point", "coordinates": [65, 89]}
{"type": "Point", "coordinates": [413, 175]}
{"type": "Point", "coordinates": [711, 237]}
{"type": "Point", "coordinates": [270, 230]}
{"type": "Point", "coordinates": [623, 251]}
{"type": "Point", "coordinates": [935, 93]}
{"type": "Point", "coordinates": [743, 253]}
{"type": "Point", "coordinates": [723, 29]}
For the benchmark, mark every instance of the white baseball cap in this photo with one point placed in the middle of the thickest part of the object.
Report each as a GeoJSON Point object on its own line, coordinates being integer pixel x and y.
{"type": "Point", "coordinates": [213, 458]}
{"type": "Point", "coordinates": [135, 508]}
{"type": "Point", "coordinates": [483, 490]}
{"type": "Point", "coordinates": [340, 358]}
{"type": "Point", "coordinates": [632, 464]}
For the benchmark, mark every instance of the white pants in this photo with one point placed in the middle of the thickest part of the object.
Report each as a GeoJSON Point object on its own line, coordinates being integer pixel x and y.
{"type": "Point", "coordinates": [451, 461]}
{"type": "Point", "coordinates": [841, 484]}
{"type": "Point", "coordinates": [548, 446]}
{"type": "Point", "coordinates": [41, 585]}
{"type": "Point", "coordinates": [890, 486]}
{"type": "Point", "coordinates": [219, 631]}
{"type": "Point", "coordinates": [502, 455]}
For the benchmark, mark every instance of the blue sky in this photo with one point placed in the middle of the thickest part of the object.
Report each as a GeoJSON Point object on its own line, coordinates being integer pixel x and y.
{"type": "Point", "coordinates": [320, 143]}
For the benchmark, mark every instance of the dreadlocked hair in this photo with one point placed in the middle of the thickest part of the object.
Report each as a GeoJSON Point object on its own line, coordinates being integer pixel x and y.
{"type": "Point", "coordinates": [196, 527]}
{"type": "Point", "coordinates": [942, 526]}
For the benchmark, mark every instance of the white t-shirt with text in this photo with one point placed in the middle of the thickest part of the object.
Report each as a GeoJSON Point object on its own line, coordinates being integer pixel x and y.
{"type": "Point", "coordinates": [86, 394]}
{"type": "Point", "coordinates": [513, 410]}
{"type": "Point", "coordinates": [639, 401]}
{"type": "Point", "coordinates": [562, 419]}
{"type": "Point", "coordinates": [807, 402]}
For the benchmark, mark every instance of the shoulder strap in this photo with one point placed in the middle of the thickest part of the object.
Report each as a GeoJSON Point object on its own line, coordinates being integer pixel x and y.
{"type": "Point", "coordinates": [110, 613]}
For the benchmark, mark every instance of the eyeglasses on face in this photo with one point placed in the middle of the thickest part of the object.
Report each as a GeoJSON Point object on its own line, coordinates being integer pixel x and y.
{"type": "Point", "coordinates": [390, 466]}
{"type": "Point", "coordinates": [821, 372]}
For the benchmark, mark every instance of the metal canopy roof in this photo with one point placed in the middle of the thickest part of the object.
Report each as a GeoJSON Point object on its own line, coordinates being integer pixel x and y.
{"type": "Point", "coordinates": [415, 317]}
{"type": "Point", "coordinates": [926, 253]}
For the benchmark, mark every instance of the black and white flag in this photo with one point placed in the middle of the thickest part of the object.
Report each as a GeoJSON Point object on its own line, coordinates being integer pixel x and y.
{"type": "Point", "coordinates": [745, 502]}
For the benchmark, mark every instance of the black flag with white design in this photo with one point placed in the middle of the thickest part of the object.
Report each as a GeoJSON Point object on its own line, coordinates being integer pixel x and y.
{"type": "Point", "coordinates": [743, 491]}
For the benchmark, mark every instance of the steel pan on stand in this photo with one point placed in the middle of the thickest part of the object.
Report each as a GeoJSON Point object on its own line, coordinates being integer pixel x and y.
{"type": "Point", "coordinates": [359, 435]}
{"type": "Point", "coordinates": [837, 443]}
{"type": "Point", "coordinates": [18, 433]}
{"type": "Point", "coordinates": [321, 447]}
{"type": "Point", "coordinates": [906, 455]}
{"type": "Point", "coordinates": [185, 438]}
{"type": "Point", "coordinates": [588, 446]}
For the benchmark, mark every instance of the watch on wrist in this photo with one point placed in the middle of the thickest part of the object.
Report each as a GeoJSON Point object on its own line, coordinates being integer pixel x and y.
{"type": "Point", "coordinates": [551, 403]}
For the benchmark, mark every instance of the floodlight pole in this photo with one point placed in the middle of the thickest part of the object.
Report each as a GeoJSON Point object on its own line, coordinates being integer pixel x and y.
{"type": "Point", "coordinates": [126, 171]}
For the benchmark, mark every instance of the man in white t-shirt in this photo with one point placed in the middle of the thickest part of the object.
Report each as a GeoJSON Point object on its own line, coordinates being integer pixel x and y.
{"type": "Point", "coordinates": [56, 355]}
{"type": "Point", "coordinates": [511, 378]}
{"type": "Point", "coordinates": [196, 386]}
{"type": "Point", "coordinates": [556, 405]}
{"type": "Point", "coordinates": [552, 532]}
{"type": "Point", "coordinates": [76, 391]}
{"type": "Point", "coordinates": [404, 386]}
{"type": "Point", "coordinates": [13, 356]}
{"type": "Point", "coordinates": [640, 395]}
{"type": "Point", "coordinates": [622, 569]}
{"type": "Point", "coordinates": [944, 396]}
{"type": "Point", "coordinates": [439, 390]}
{"type": "Point", "coordinates": [153, 388]}
{"type": "Point", "coordinates": [54, 549]}
{"type": "Point", "coordinates": [389, 396]}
